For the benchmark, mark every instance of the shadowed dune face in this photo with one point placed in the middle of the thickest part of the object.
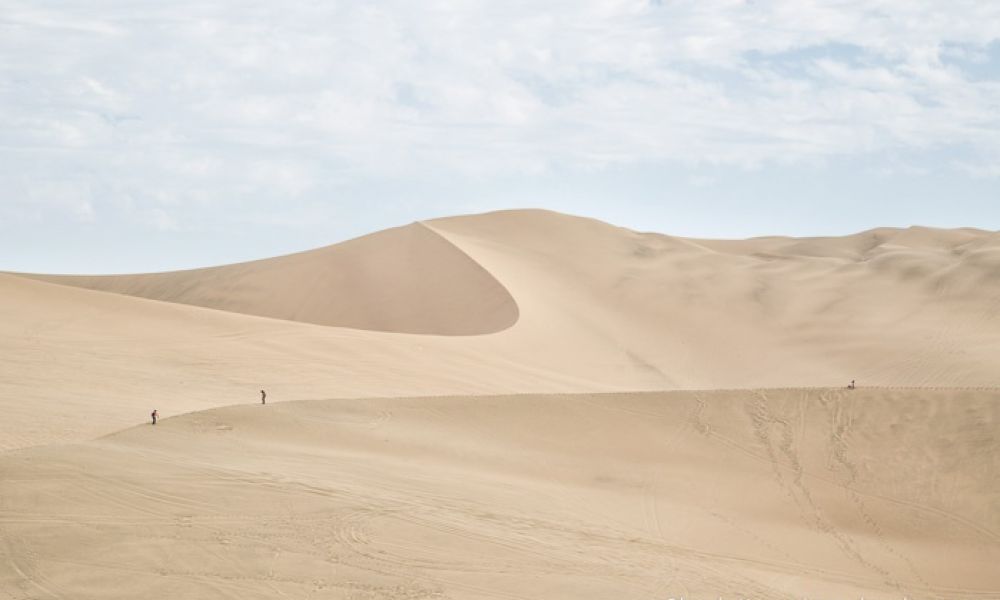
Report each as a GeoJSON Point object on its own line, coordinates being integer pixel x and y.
{"type": "Point", "coordinates": [756, 494]}
{"type": "Point", "coordinates": [404, 280]}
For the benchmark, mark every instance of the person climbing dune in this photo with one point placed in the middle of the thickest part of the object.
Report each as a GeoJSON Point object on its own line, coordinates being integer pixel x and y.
{"type": "Point", "coordinates": [263, 397]}
{"type": "Point", "coordinates": [154, 414]}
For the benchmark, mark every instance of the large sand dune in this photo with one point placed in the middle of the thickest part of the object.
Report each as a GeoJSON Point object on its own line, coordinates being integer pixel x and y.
{"type": "Point", "coordinates": [762, 494]}
{"type": "Point", "coordinates": [574, 305]}
{"type": "Point", "coordinates": [406, 280]}
{"type": "Point", "coordinates": [455, 489]}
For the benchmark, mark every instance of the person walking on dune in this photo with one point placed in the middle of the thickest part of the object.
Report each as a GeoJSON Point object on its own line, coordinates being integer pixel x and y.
{"type": "Point", "coordinates": [154, 414]}
{"type": "Point", "coordinates": [263, 397]}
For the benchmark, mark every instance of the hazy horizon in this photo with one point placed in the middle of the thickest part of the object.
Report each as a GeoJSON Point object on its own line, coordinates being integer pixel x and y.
{"type": "Point", "coordinates": [245, 253]}
{"type": "Point", "coordinates": [145, 137]}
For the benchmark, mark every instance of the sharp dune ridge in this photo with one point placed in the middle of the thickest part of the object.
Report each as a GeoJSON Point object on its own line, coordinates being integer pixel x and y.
{"type": "Point", "coordinates": [405, 280]}
{"type": "Point", "coordinates": [520, 404]}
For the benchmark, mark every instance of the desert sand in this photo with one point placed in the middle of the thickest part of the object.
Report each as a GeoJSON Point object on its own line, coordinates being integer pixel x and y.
{"type": "Point", "coordinates": [519, 404]}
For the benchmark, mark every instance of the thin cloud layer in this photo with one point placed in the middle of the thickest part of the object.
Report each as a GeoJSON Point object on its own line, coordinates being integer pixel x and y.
{"type": "Point", "coordinates": [165, 113]}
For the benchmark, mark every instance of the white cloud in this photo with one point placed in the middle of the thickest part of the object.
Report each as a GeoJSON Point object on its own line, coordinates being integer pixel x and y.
{"type": "Point", "coordinates": [984, 170]}
{"type": "Point", "coordinates": [160, 219]}
{"type": "Point", "coordinates": [241, 100]}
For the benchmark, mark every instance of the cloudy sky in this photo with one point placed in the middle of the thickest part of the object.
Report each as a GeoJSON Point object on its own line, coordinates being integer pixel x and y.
{"type": "Point", "coordinates": [140, 135]}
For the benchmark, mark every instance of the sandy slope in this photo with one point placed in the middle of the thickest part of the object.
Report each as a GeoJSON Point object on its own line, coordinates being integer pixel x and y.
{"type": "Point", "coordinates": [764, 494]}
{"type": "Point", "coordinates": [573, 304]}
{"type": "Point", "coordinates": [814, 492]}
{"type": "Point", "coordinates": [888, 307]}
{"type": "Point", "coordinates": [79, 363]}
{"type": "Point", "coordinates": [407, 280]}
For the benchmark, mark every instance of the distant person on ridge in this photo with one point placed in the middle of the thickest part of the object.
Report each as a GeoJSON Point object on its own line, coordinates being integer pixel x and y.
{"type": "Point", "coordinates": [851, 387]}
{"type": "Point", "coordinates": [263, 397]}
{"type": "Point", "coordinates": [154, 414]}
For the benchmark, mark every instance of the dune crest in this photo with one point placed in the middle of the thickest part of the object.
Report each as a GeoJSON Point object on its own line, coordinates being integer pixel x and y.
{"type": "Point", "coordinates": [401, 280]}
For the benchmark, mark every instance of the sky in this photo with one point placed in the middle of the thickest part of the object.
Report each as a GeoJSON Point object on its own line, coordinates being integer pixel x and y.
{"type": "Point", "coordinates": [146, 136]}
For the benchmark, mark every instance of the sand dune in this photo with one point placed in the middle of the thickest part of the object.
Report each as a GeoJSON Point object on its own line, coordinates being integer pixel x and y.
{"type": "Point", "coordinates": [576, 305]}
{"type": "Point", "coordinates": [763, 494]}
{"type": "Point", "coordinates": [405, 280]}
{"type": "Point", "coordinates": [446, 438]}
{"type": "Point", "coordinates": [889, 307]}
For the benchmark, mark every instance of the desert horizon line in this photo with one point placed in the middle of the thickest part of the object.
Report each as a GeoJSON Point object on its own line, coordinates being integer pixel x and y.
{"type": "Point", "coordinates": [525, 209]}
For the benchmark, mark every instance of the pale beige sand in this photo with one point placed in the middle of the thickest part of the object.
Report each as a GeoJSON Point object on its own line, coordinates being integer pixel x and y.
{"type": "Point", "coordinates": [826, 493]}
{"type": "Point", "coordinates": [407, 280]}
{"type": "Point", "coordinates": [595, 308]}
{"type": "Point", "coordinates": [763, 494]}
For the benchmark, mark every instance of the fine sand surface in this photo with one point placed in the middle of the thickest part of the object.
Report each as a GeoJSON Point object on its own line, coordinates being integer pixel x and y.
{"type": "Point", "coordinates": [454, 411]}
{"type": "Point", "coordinates": [404, 280]}
{"type": "Point", "coordinates": [559, 303]}
{"type": "Point", "coordinates": [764, 494]}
